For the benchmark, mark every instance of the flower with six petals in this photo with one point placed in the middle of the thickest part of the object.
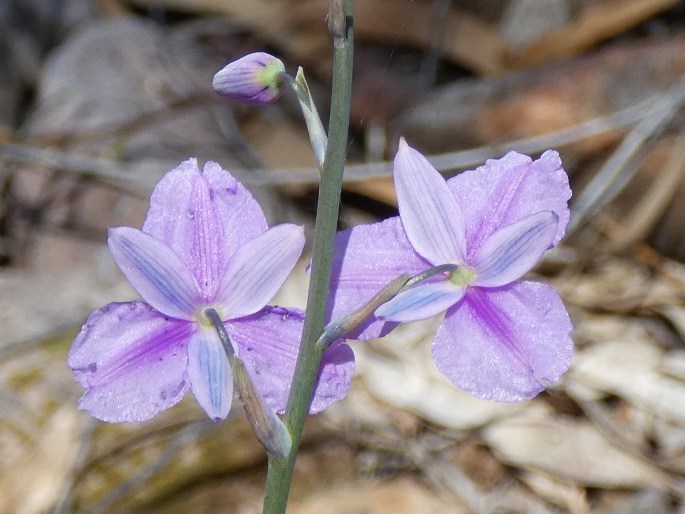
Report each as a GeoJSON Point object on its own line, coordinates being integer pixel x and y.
{"type": "Point", "coordinates": [205, 243]}
{"type": "Point", "coordinates": [501, 338]}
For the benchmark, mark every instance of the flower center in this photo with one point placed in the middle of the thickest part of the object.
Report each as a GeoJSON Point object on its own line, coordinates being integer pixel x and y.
{"type": "Point", "coordinates": [463, 276]}
{"type": "Point", "coordinates": [201, 316]}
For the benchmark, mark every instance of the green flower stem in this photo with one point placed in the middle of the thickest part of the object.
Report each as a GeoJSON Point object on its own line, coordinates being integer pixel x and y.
{"type": "Point", "coordinates": [280, 470]}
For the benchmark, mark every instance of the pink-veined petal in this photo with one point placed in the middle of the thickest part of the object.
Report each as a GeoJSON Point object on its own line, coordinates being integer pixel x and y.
{"type": "Point", "coordinates": [131, 361]}
{"type": "Point", "coordinates": [268, 343]}
{"type": "Point", "coordinates": [421, 301]}
{"type": "Point", "coordinates": [210, 374]}
{"type": "Point", "coordinates": [505, 344]}
{"type": "Point", "coordinates": [514, 250]}
{"type": "Point", "coordinates": [155, 271]}
{"type": "Point", "coordinates": [506, 190]}
{"type": "Point", "coordinates": [366, 258]}
{"type": "Point", "coordinates": [430, 214]}
{"type": "Point", "coordinates": [204, 217]}
{"type": "Point", "coordinates": [258, 270]}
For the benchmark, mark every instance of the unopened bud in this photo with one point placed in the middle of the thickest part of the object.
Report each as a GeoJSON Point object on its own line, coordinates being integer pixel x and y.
{"type": "Point", "coordinates": [253, 79]}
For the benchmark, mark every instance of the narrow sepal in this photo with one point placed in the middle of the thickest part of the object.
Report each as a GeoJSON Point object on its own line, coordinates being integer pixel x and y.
{"type": "Point", "coordinates": [155, 271]}
{"type": "Point", "coordinates": [421, 301]}
{"type": "Point", "coordinates": [430, 214]}
{"type": "Point", "coordinates": [258, 270]}
{"type": "Point", "coordinates": [514, 250]}
{"type": "Point", "coordinates": [210, 374]}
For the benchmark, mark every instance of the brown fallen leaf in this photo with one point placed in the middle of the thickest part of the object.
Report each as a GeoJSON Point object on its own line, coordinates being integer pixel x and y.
{"type": "Point", "coordinates": [568, 449]}
{"type": "Point", "coordinates": [597, 22]}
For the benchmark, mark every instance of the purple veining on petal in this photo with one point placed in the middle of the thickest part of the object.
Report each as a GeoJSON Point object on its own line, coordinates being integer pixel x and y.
{"type": "Point", "coordinates": [512, 187]}
{"type": "Point", "coordinates": [155, 349]}
{"type": "Point", "coordinates": [362, 267]}
{"type": "Point", "coordinates": [495, 321]}
{"type": "Point", "coordinates": [514, 250]}
{"type": "Point", "coordinates": [268, 342]}
{"type": "Point", "coordinates": [256, 271]}
{"type": "Point", "coordinates": [155, 271]}
{"type": "Point", "coordinates": [499, 202]}
{"type": "Point", "coordinates": [131, 360]}
{"type": "Point", "coordinates": [210, 374]}
{"type": "Point", "coordinates": [430, 215]}
{"type": "Point", "coordinates": [421, 301]}
{"type": "Point", "coordinates": [206, 234]}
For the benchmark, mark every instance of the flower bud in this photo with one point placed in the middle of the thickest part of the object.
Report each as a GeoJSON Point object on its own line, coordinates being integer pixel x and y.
{"type": "Point", "coordinates": [253, 79]}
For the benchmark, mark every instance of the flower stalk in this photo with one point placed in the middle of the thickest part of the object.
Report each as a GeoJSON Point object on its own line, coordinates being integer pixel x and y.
{"type": "Point", "coordinates": [280, 470]}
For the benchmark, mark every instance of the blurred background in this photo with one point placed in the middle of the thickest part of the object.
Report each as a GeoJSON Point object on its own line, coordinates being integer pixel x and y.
{"type": "Point", "coordinates": [98, 98]}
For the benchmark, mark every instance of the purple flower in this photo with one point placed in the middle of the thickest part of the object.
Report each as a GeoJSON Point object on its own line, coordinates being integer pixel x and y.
{"type": "Point", "coordinates": [253, 79]}
{"type": "Point", "coordinates": [501, 339]}
{"type": "Point", "coordinates": [205, 243]}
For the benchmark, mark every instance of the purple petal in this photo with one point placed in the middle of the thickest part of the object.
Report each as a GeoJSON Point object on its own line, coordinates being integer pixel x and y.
{"type": "Point", "coordinates": [131, 360]}
{"type": "Point", "coordinates": [430, 214]}
{"type": "Point", "coordinates": [366, 258]}
{"type": "Point", "coordinates": [204, 217]}
{"type": "Point", "coordinates": [421, 302]}
{"type": "Point", "coordinates": [505, 344]}
{"type": "Point", "coordinates": [155, 271]}
{"type": "Point", "coordinates": [257, 270]}
{"type": "Point", "coordinates": [506, 190]}
{"type": "Point", "coordinates": [268, 343]}
{"type": "Point", "coordinates": [514, 250]}
{"type": "Point", "coordinates": [209, 373]}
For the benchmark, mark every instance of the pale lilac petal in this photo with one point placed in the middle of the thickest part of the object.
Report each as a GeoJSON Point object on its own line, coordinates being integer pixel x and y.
{"type": "Point", "coordinates": [155, 271]}
{"type": "Point", "coordinates": [430, 214]}
{"type": "Point", "coordinates": [210, 374]}
{"type": "Point", "coordinates": [421, 302]}
{"type": "Point", "coordinates": [258, 270]}
{"type": "Point", "coordinates": [506, 190]}
{"type": "Point", "coordinates": [131, 361]}
{"type": "Point", "coordinates": [366, 258]}
{"type": "Point", "coordinates": [505, 344]}
{"type": "Point", "coordinates": [514, 250]}
{"type": "Point", "coordinates": [268, 343]}
{"type": "Point", "coordinates": [204, 217]}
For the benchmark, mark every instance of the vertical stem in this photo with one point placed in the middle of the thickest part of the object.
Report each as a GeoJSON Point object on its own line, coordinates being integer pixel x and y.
{"type": "Point", "coordinates": [280, 470]}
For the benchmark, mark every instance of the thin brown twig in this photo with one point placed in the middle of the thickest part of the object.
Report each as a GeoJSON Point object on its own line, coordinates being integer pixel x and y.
{"type": "Point", "coordinates": [140, 177]}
